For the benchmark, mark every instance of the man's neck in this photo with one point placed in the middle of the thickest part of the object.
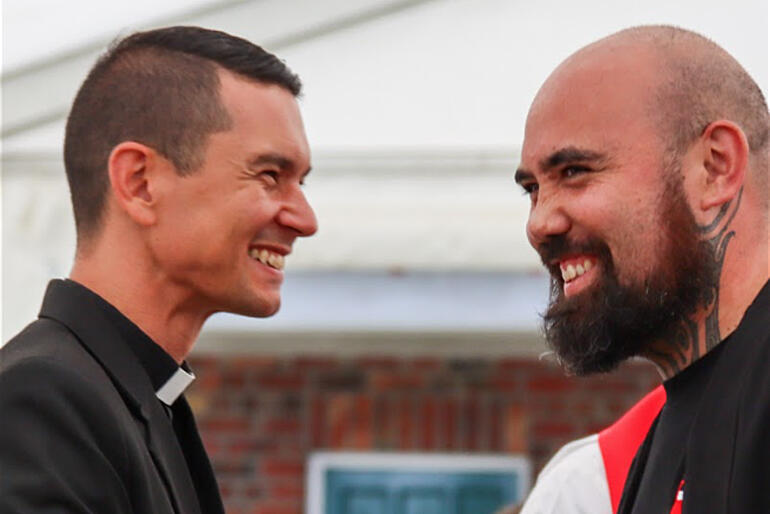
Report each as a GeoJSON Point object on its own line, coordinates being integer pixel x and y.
{"type": "Point", "coordinates": [739, 264]}
{"type": "Point", "coordinates": [148, 303]}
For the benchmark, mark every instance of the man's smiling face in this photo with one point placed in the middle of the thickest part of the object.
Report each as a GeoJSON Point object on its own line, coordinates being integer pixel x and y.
{"type": "Point", "coordinates": [226, 229]}
{"type": "Point", "coordinates": [609, 214]}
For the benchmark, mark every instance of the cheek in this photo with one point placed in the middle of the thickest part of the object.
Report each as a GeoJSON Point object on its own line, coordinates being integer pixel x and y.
{"type": "Point", "coordinates": [641, 244]}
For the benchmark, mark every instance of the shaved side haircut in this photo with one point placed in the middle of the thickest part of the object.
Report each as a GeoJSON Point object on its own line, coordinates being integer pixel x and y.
{"type": "Point", "coordinates": [159, 88]}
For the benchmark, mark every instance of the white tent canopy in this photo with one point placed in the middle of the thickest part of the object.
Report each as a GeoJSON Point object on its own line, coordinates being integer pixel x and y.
{"type": "Point", "coordinates": [414, 109]}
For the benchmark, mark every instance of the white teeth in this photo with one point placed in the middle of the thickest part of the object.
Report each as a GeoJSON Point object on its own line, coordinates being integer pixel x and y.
{"type": "Point", "coordinates": [572, 271]}
{"type": "Point", "coordinates": [268, 258]}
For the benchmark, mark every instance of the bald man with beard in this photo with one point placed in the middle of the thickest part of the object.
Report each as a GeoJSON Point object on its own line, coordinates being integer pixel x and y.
{"type": "Point", "coordinates": [646, 161]}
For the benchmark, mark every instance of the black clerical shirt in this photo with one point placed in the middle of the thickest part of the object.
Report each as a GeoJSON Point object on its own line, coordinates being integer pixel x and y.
{"type": "Point", "coordinates": [160, 367]}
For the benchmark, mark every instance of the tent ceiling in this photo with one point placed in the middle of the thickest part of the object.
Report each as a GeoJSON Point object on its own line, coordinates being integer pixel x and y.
{"type": "Point", "coordinates": [377, 72]}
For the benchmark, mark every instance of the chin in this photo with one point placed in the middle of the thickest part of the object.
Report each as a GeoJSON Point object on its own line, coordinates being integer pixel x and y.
{"type": "Point", "coordinates": [265, 308]}
{"type": "Point", "coordinates": [254, 306]}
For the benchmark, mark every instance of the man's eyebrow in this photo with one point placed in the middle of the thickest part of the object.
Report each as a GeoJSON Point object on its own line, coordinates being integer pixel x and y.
{"type": "Point", "coordinates": [271, 158]}
{"type": "Point", "coordinates": [570, 154]}
{"type": "Point", "coordinates": [283, 163]}
{"type": "Point", "coordinates": [566, 155]}
{"type": "Point", "coordinates": [521, 175]}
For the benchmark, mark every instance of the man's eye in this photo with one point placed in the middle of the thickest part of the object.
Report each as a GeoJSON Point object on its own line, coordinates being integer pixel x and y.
{"type": "Point", "coordinates": [529, 188]}
{"type": "Point", "coordinates": [572, 171]}
{"type": "Point", "coordinates": [271, 175]}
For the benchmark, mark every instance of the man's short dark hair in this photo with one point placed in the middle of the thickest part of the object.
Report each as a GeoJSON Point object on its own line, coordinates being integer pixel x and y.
{"type": "Point", "coordinates": [159, 88]}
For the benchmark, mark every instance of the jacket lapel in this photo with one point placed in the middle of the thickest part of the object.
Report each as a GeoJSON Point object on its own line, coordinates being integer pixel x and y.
{"type": "Point", "coordinates": [80, 310]}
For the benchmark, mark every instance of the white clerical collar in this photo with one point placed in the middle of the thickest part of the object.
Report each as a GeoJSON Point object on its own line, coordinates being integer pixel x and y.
{"type": "Point", "coordinates": [175, 386]}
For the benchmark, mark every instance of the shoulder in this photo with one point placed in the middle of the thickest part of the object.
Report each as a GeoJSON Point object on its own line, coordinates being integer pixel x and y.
{"type": "Point", "coordinates": [573, 481]}
{"type": "Point", "coordinates": [46, 342]}
{"type": "Point", "coordinates": [61, 418]}
{"type": "Point", "coordinates": [48, 379]}
{"type": "Point", "coordinates": [43, 338]}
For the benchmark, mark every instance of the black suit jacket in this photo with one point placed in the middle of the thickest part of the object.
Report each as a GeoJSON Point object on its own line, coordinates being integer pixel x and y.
{"type": "Point", "coordinates": [81, 430]}
{"type": "Point", "coordinates": [728, 450]}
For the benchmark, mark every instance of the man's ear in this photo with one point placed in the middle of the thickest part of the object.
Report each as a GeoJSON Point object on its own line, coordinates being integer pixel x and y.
{"type": "Point", "coordinates": [725, 158]}
{"type": "Point", "coordinates": [131, 171]}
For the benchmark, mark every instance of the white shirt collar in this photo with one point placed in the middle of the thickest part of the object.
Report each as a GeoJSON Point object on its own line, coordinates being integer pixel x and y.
{"type": "Point", "coordinates": [175, 386]}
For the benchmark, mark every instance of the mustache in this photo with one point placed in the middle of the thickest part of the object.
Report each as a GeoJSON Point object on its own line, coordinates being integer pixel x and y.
{"type": "Point", "coordinates": [556, 247]}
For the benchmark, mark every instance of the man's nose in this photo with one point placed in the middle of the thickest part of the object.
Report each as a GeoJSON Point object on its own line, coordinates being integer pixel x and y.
{"type": "Point", "coordinates": [299, 215]}
{"type": "Point", "coordinates": [547, 218]}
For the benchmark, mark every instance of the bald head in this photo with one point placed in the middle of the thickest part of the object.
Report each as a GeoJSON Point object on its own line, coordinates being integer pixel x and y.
{"type": "Point", "coordinates": [699, 83]}
{"type": "Point", "coordinates": [687, 81]}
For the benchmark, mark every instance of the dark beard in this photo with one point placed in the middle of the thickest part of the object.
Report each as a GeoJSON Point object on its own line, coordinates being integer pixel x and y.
{"type": "Point", "coordinates": [610, 322]}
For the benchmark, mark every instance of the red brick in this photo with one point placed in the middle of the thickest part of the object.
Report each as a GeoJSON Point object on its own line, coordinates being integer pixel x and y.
{"type": "Point", "coordinates": [293, 490]}
{"type": "Point", "coordinates": [427, 425]}
{"type": "Point", "coordinates": [384, 381]}
{"type": "Point", "coordinates": [363, 436]}
{"type": "Point", "coordinates": [554, 429]}
{"type": "Point", "coordinates": [514, 429]}
{"type": "Point", "coordinates": [350, 422]}
{"type": "Point", "coordinates": [386, 422]}
{"type": "Point", "coordinates": [225, 424]}
{"type": "Point", "coordinates": [233, 380]}
{"type": "Point", "coordinates": [204, 362]}
{"type": "Point", "coordinates": [282, 381]}
{"type": "Point", "coordinates": [251, 363]}
{"type": "Point", "coordinates": [504, 383]}
{"type": "Point", "coordinates": [213, 447]}
{"type": "Point", "coordinates": [616, 385]}
{"type": "Point", "coordinates": [317, 422]}
{"type": "Point", "coordinates": [516, 365]}
{"type": "Point", "coordinates": [495, 427]}
{"type": "Point", "coordinates": [244, 428]}
{"type": "Point", "coordinates": [207, 380]}
{"type": "Point", "coordinates": [306, 364]}
{"type": "Point", "coordinates": [449, 419]}
{"type": "Point", "coordinates": [555, 384]}
{"type": "Point", "coordinates": [472, 420]}
{"type": "Point", "coordinates": [282, 426]}
{"type": "Point", "coordinates": [340, 419]}
{"type": "Point", "coordinates": [283, 466]}
{"type": "Point", "coordinates": [250, 445]}
{"type": "Point", "coordinates": [378, 362]}
{"type": "Point", "coordinates": [406, 423]}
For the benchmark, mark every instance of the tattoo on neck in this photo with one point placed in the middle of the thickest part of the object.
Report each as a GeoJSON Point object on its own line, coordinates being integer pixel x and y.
{"type": "Point", "coordinates": [689, 341]}
{"type": "Point", "coordinates": [718, 236]}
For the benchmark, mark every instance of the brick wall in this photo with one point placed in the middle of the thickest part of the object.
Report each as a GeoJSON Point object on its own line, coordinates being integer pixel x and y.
{"type": "Point", "coordinates": [261, 416]}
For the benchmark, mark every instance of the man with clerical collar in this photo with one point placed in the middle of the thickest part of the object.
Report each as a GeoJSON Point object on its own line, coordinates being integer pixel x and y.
{"type": "Point", "coordinates": [646, 161]}
{"type": "Point", "coordinates": [185, 154]}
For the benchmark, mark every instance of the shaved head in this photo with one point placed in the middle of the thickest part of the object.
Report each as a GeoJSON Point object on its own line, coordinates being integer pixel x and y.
{"type": "Point", "coordinates": [695, 83]}
{"type": "Point", "coordinates": [701, 83]}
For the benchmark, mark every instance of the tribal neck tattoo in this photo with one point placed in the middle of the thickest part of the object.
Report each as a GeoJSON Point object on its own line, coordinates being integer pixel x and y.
{"type": "Point", "coordinates": [690, 339]}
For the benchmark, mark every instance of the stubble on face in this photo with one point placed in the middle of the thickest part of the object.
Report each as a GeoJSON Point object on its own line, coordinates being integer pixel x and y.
{"type": "Point", "coordinates": [596, 330]}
